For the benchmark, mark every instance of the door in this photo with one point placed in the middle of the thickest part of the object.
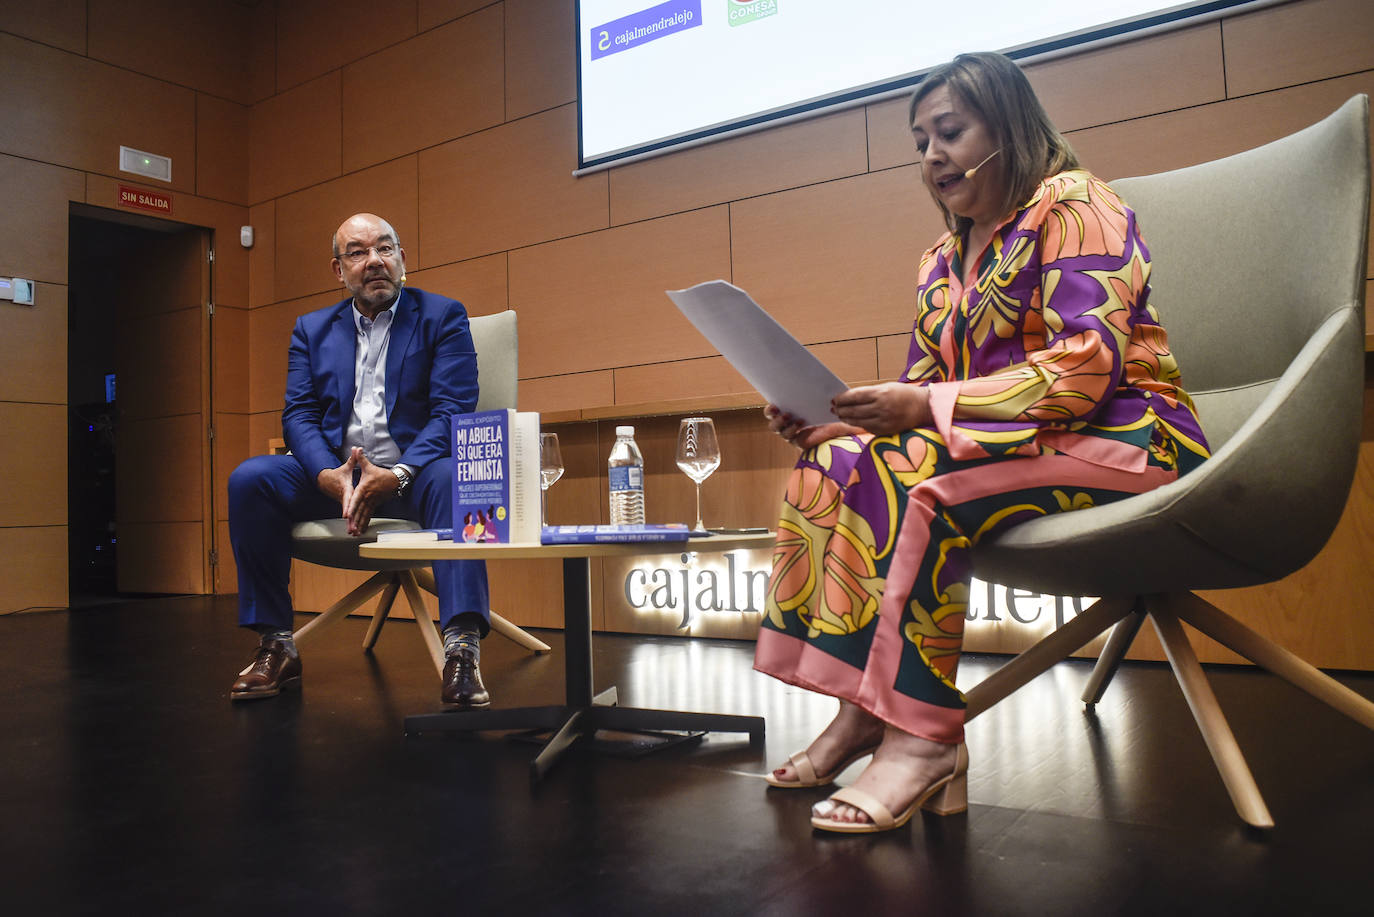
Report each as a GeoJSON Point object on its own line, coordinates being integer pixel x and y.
{"type": "Point", "coordinates": [163, 506]}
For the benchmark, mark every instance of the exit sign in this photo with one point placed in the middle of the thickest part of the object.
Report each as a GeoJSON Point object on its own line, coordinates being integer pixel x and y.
{"type": "Point", "coordinates": [143, 199]}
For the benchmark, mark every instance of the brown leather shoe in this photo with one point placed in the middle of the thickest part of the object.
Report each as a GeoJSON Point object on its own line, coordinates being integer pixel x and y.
{"type": "Point", "coordinates": [463, 682]}
{"type": "Point", "coordinates": [275, 667]}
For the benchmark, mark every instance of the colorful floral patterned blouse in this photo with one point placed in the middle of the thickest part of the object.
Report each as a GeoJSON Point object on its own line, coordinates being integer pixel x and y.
{"type": "Point", "coordinates": [1056, 347]}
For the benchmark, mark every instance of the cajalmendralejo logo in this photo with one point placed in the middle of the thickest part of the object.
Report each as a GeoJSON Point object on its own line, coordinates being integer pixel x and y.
{"type": "Point", "coordinates": [645, 26]}
{"type": "Point", "coordinates": [742, 11]}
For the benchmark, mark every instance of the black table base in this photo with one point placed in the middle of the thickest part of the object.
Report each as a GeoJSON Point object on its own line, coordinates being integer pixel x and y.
{"type": "Point", "coordinates": [582, 713]}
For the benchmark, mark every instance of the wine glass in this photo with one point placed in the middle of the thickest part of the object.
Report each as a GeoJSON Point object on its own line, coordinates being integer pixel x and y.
{"type": "Point", "coordinates": [550, 470]}
{"type": "Point", "coordinates": [698, 453]}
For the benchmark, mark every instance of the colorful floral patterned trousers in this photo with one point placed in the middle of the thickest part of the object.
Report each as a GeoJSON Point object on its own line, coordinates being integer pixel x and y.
{"type": "Point", "coordinates": [870, 579]}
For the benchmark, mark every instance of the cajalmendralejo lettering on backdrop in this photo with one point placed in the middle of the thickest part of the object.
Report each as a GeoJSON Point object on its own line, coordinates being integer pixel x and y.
{"type": "Point", "coordinates": [697, 586]}
{"type": "Point", "coordinates": [727, 584]}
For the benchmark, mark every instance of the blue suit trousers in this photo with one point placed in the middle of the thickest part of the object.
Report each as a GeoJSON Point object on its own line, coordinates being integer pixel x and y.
{"type": "Point", "coordinates": [268, 494]}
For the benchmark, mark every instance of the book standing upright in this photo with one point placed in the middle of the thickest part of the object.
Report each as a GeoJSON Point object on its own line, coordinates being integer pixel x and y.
{"type": "Point", "coordinates": [496, 477]}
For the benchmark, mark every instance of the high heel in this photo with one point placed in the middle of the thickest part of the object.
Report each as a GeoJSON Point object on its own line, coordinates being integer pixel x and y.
{"type": "Point", "coordinates": [946, 796]}
{"type": "Point", "coordinates": [806, 771]}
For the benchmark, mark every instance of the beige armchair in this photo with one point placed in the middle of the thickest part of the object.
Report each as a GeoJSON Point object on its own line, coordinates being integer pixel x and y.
{"type": "Point", "coordinates": [1259, 277]}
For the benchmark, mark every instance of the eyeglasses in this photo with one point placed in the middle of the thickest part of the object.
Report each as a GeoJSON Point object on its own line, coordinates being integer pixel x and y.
{"type": "Point", "coordinates": [355, 255]}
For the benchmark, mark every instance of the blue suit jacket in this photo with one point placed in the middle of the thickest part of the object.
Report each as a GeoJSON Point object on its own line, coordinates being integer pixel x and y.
{"type": "Point", "coordinates": [431, 374]}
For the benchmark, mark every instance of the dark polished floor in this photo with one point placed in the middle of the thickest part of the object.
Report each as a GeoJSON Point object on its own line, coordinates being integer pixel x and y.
{"type": "Point", "coordinates": [130, 784]}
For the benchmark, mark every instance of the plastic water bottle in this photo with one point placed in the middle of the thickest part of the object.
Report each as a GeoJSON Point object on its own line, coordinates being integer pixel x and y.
{"type": "Point", "coordinates": [626, 473]}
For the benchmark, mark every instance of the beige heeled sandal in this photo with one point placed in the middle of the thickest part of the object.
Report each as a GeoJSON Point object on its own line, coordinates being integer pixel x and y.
{"type": "Point", "coordinates": [806, 771]}
{"type": "Point", "coordinates": [946, 796]}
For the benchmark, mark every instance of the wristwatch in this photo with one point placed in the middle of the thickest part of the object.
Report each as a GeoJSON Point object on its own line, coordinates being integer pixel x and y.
{"type": "Point", "coordinates": [403, 479]}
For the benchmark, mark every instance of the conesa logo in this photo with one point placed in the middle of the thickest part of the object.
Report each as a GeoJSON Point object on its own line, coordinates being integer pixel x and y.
{"type": "Point", "coordinates": [742, 11]}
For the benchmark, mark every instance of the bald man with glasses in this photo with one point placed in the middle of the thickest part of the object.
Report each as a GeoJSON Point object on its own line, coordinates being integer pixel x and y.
{"type": "Point", "coordinates": [371, 385]}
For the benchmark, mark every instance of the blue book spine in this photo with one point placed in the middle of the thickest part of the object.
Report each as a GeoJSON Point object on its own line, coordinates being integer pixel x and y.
{"type": "Point", "coordinates": [609, 534]}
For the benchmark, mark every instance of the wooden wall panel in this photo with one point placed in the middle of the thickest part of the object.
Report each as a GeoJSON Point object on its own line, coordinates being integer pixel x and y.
{"type": "Point", "coordinates": [596, 301]}
{"type": "Point", "coordinates": [1213, 131]}
{"type": "Point", "coordinates": [316, 36]}
{"type": "Point", "coordinates": [296, 139]}
{"type": "Point", "coordinates": [1127, 80]}
{"type": "Point", "coordinates": [262, 257]}
{"type": "Point", "coordinates": [231, 448]}
{"type": "Point", "coordinates": [35, 348]}
{"type": "Point", "coordinates": [892, 351]}
{"type": "Point", "coordinates": [307, 221]}
{"type": "Point", "coordinates": [1208, 132]}
{"type": "Point", "coordinates": [269, 336]}
{"type": "Point", "coordinates": [853, 361]}
{"type": "Point", "coordinates": [230, 360]}
{"type": "Point", "coordinates": [541, 56]}
{"type": "Point", "coordinates": [579, 496]}
{"type": "Point", "coordinates": [71, 111]}
{"type": "Point", "coordinates": [671, 380]}
{"type": "Point", "coordinates": [161, 557]}
{"type": "Point", "coordinates": [508, 187]}
{"type": "Point", "coordinates": [856, 362]}
{"type": "Point", "coordinates": [440, 101]}
{"type": "Point", "coordinates": [263, 427]}
{"type": "Point", "coordinates": [568, 392]}
{"type": "Point", "coordinates": [261, 51]}
{"type": "Point", "coordinates": [836, 260]}
{"type": "Point", "coordinates": [60, 23]}
{"type": "Point", "coordinates": [1093, 88]}
{"type": "Point", "coordinates": [222, 129]}
{"type": "Point", "coordinates": [479, 284]}
{"type": "Point", "coordinates": [33, 567]}
{"type": "Point", "coordinates": [37, 464]}
{"type": "Point", "coordinates": [436, 12]}
{"type": "Point", "coordinates": [889, 134]}
{"type": "Point", "coordinates": [804, 153]}
{"type": "Point", "coordinates": [33, 221]}
{"type": "Point", "coordinates": [145, 448]}
{"type": "Point", "coordinates": [192, 44]}
{"type": "Point", "coordinates": [1296, 43]}
{"type": "Point", "coordinates": [528, 593]}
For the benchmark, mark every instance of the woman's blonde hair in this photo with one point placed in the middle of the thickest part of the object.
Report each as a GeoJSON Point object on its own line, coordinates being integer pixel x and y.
{"type": "Point", "coordinates": [1032, 149]}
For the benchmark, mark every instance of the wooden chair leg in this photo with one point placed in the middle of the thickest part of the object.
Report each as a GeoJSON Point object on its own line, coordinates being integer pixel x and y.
{"type": "Point", "coordinates": [425, 577]}
{"type": "Point", "coordinates": [374, 630]}
{"type": "Point", "coordinates": [519, 635]}
{"type": "Point", "coordinates": [345, 605]}
{"type": "Point", "coordinates": [1058, 645]}
{"type": "Point", "coordinates": [428, 631]}
{"type": "Point", "coordinates": [1117, 644]}
{"type": "Point", "coordinates": [1216, 732]}
{"type": "Point", "coordinates": [1230, 633]}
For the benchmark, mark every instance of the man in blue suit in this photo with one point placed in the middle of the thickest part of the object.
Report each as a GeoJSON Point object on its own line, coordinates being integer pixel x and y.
{"type": "Point", "coordinates": [371, 384]}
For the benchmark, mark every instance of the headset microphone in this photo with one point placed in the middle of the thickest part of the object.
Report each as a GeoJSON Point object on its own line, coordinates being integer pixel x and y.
{"type": "Point", "coordinates": [974, 171]}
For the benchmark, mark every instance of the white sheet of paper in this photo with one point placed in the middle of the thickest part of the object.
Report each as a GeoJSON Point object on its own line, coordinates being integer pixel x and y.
{"type": "Point", "coordinates": [763, 351]}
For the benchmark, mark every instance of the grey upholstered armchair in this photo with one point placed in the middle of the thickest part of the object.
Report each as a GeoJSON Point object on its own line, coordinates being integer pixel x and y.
{"type": "Point", "coordinates": [1259, 278]}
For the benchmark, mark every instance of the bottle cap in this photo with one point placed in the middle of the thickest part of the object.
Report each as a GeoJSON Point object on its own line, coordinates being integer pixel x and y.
{"type": "Point", "coordinates": [624, 431]}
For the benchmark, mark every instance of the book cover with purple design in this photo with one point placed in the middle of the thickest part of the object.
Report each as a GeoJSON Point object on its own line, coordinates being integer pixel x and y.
{"type": "Point", "coordinates": [496, 477]}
